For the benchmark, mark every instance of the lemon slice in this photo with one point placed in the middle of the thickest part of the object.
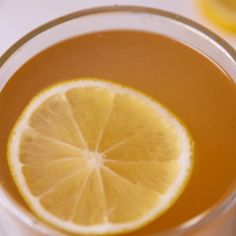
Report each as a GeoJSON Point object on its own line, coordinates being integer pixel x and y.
{"type": "Point", "coordinates": [221, 12]}
{"type": "Point", "coordinates": [93, 157]}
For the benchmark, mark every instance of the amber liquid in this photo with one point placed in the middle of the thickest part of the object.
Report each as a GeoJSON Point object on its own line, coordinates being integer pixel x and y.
{"type": "Point", "coordinates": [191, 85]}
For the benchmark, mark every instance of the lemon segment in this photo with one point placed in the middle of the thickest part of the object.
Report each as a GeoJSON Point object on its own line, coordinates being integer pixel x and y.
{"type": "Point", "coordinates": [93, 157]}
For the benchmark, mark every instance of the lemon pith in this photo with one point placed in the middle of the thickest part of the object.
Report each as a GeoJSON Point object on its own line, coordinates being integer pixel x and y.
{"type": "Point", "coordinates": [93, 157]}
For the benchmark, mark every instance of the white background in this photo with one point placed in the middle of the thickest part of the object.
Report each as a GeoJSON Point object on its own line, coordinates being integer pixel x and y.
{"type": "Point", "coordinates": [18, 17]}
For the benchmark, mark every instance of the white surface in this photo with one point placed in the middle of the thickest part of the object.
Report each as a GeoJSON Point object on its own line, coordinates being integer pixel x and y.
{"type": "Point", "coordinates": [18, 17]}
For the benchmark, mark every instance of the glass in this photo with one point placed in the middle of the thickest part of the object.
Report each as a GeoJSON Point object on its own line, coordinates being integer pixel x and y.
{"type": "Point", "coordinates": [220, 220]}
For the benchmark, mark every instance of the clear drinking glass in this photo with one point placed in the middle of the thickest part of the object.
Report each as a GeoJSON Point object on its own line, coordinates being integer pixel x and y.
{"type": "Point", "coordinates": [218, 221]}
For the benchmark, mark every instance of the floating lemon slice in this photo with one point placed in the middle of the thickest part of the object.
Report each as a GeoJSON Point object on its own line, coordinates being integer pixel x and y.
{"type": "Point", "coordinates": [221, 12]}
{"type": "Point", "coordinates": [93, 157]}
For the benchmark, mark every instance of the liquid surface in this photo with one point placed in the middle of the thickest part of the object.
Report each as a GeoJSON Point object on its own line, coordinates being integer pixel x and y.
{"type": "Point", "coordinates": [185, 81]}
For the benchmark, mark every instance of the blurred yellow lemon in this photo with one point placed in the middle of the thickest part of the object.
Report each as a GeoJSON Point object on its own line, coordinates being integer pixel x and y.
{"type": "Point", "coordinates": [221, 12]}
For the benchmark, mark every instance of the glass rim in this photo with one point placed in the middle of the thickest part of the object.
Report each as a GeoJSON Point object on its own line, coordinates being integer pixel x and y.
{"type": "Point", "coordinates": [229, 199]}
